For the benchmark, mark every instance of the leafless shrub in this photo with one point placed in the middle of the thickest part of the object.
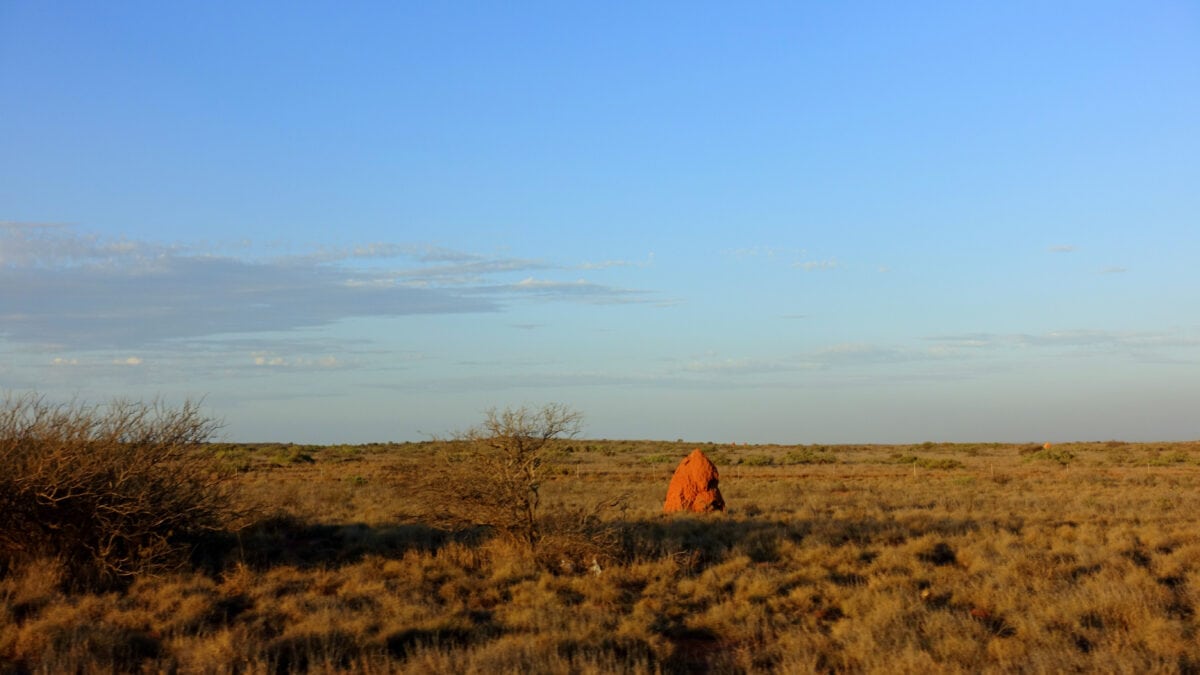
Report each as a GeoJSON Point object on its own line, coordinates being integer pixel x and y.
{"type": "Point", "coordinates": [110, 490]}
{"type": "Point", "coordinates": [491, 475]}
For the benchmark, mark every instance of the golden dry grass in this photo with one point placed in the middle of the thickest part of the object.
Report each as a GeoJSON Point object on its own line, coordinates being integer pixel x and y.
{"type": "Point", "coordinates": [928, 558]}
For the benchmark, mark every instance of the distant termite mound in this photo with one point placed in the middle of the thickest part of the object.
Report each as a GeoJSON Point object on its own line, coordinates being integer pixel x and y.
{"type": "Point", "coordinates": [694, 486]}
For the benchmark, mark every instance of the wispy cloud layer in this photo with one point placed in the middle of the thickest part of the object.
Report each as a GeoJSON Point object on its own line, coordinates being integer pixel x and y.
{"type": "Point", "coordinates": [608, 264]}
{"type": "Point", "coordinates": [812, 265]}
{"type": "Point", "coordinates": [955, 356]}
{"type": "Point", "coordinates": [580, 290]}
{"type": "Point", "coordinates": [800, 259]}
{"type": "Point", "coordinates": [63, 288]}
{"type": "Point", "coordinates": [1133, 342]}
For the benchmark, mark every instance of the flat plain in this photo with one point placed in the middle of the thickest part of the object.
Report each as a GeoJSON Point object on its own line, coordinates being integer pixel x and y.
{"type": "Point", "coordinates": [874, 558]}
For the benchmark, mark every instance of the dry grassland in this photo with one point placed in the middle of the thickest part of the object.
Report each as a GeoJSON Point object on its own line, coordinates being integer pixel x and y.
{"type": "Point", "coordinates": [930, 558]}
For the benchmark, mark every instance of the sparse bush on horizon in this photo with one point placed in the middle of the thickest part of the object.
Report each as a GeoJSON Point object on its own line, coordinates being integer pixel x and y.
{"type": "Point", "coordinates": [808, 455]}
{"type": "Point", "coordinates": [1062, 456]}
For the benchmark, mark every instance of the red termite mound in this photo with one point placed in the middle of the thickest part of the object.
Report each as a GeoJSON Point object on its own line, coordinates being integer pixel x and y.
{"type": "Point", "coordinates": [694, 486]}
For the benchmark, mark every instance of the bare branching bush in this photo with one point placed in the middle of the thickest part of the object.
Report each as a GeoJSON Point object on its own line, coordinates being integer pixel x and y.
{"type": "Point", "coordinates": [491, 476]}
{"type": "Point", "coordinates": [109, 490]}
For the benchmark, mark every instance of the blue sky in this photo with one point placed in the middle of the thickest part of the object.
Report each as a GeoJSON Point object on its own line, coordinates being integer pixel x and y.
{"type": "Point", "coordinates": [765, 222]}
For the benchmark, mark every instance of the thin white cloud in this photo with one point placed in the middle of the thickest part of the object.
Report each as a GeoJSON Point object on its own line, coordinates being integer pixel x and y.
{"type": "Point", "coordinates": [609, 264]}
{"type": "Point", "coordinates": [422, 253]}
{"type": "Point", "coordinates": [1134, 342]}
{"type": "Point", "coordinates": [859, 353]}
{"type": "Point", "coordinates": [734, 366]}
{"type": "Point", "coordinates": [754, 252]}
{"type": "Point", "coordinates": [580, 290]}
{"type": "Point", "coordinates": [965, 341]}
{"type": "Point", "coordinates": [800, 259]}
{"type": "Point", "coordinates": [813, 265]}
{"type": "Point", "coordinates": [1062, 248]}
{"type": "Point", "coordinates": [271, 360]}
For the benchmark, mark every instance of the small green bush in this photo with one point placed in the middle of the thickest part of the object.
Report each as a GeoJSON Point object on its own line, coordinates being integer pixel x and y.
{"type": "Point", "coordinates": [293, 454]}
{"type": "Point", "coordinates": [1169, 458]}
{"type": "Point", "coordinates": [718, 457]}
{"type": "Point", "coordinates": [233, 458]}
{"type": "Point", "coordinates": [1053, 454]}
{"type": "Point", "coordinates": [809, 456]}
{"type": "Point", "coordinates": [939, 463]}
{"type": "Point", "coordinates": [345, 452]}
{"type": "Point", "coordinates": [758, 460]}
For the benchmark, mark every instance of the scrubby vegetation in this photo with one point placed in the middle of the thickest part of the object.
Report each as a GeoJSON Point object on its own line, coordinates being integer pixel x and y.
{"type": "Point", "coordinates": [931, 557]}
{"type": "Point", "coordinates": [106, 491]}
{"type": "Point", "coordinates": [495, 471]}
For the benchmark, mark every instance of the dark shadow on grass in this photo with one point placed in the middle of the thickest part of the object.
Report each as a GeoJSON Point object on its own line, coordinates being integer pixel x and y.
{"type": "Point", "coordinates": [699, 540]}
{"type": "Point", "coordinates": [285, 540]}
{"type": "Point", "coordinates": [696, 541]}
